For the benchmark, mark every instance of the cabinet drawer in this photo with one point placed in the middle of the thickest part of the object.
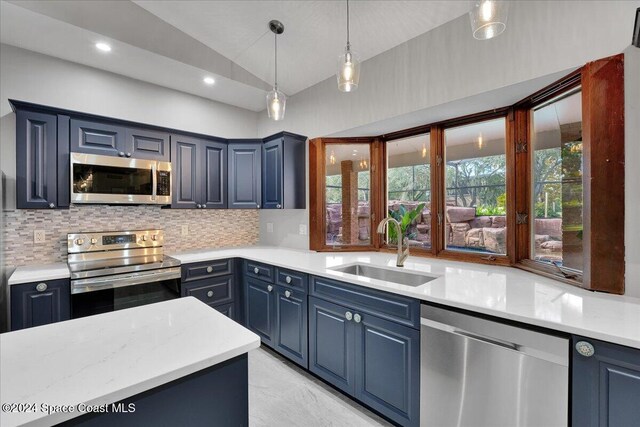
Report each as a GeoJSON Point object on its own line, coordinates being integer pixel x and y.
{"type": "Point", "coordinates": [288, 278]}
{"type": "Point", "coordinates": [227, 309]}
{"type": "Point", "coordinates": [259, 270]}
{"type": "Point", "coordinates": [388, 306]}
{"type": "Point", "coordinates": [203, 270]}
{"type": "Point", "coordinates": [214, 291]}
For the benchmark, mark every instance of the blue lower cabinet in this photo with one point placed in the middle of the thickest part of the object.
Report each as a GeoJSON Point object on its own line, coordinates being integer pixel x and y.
{"type": "Point", "coordinates": [331, 344]}
{"type": "Point", "coordinates": [40, 303]}
{"type": "Point", "coordinates": [291, 324]}
{"type": "Point", "coordinates": [388, 368]}
{"type": "Point", "coordinates": [228, 310]}
{"type": "Point", "coordinates": [605, 384]}
{"type": "Point", "coordinates": [260, 308]}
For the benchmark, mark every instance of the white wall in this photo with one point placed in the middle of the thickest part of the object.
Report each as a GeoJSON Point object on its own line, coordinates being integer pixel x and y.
{"type": "Point", "coordinates": [41, 79]}
{"type": "Point", "coordinates": [632, 170]}
{"type": "Point", "coordinates": [447, 64]}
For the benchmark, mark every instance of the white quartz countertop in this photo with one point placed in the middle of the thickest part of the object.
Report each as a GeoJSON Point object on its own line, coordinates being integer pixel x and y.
{"type": "Point", "coordinates": [108, 357]}
{"type": "Point", "coordinates": [504, 292]}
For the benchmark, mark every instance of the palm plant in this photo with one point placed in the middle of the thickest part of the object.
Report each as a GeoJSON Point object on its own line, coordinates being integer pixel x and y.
{"type": "Point", "coordinates": [405, 218]}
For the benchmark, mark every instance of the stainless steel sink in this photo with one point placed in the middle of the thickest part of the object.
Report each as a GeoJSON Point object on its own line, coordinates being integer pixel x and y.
{"type": "Point", "coordinates": [388, 275]}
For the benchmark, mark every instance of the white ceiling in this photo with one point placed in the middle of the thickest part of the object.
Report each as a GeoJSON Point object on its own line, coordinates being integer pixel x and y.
{"type": "Point", "coordinates": [314, 36]}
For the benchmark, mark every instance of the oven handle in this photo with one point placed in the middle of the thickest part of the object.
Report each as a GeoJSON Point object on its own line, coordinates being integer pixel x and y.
{"type": "Point", "coordinates": [154, 178]}
{"type": "Point", "coordinates": [96, 284]}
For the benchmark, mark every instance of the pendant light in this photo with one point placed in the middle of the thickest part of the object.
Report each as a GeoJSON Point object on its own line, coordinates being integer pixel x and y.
{"type": "Point", "coordinates": [276, 100]}
{"type": "Point", "coordinates": [489, 18]}
{"type": "Point", "coordinates": [348, 66]}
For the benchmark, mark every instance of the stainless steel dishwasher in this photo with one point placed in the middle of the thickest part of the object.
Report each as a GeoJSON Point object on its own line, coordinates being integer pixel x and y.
{"type": "Point", "coordinates": [476, 372]}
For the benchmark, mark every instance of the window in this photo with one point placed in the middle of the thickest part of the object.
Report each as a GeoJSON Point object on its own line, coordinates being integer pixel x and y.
{"type": "Point", "coordinates": [476, 187]}
{"type": "Point", "coordinates": [557, 188]}
{"type": "Point", "coordinates": [409, 189]}
{"type": "Point", "coordinates": [538, 185]}
{"type": "Point", "coordinates": [347, 200]}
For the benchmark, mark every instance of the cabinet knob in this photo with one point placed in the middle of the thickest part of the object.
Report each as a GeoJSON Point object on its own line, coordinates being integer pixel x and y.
{"type": "Point", "coordinates": [199, 206]}
{"type": "Point", "coordinates": [258, 206]}
{"type": "Point", "coordinates": [121, 154]}
{"type": "Point", "coordinates": [585, 348]}
{"type": "Point", "coordinates": [278, 206]}
{"type": "Point", "coordinates": [256, 270]}
{"type": "Point", "coordinates": [287, 294]}
{"type": "Point", "coordinates": [287, 279]}
{"type": "Point", "coordinates": [269, 288]}
{"type": "Point", "coordinates": [348, 315]}
{"type": "Point", "coordinates": [41, 287]}
{"type": "Point", "coordinates": [204, 206]}
{"type": "Point", "coordinates": [357, 318]}
{"type": "Point", "coordinates": [210, 294]}
{"type": "Point", "coordinates": [209, 269]}
{"type": "Point", "coordinates": [128, 154]}
{"type": "Point", "coordinates": [52, 205]}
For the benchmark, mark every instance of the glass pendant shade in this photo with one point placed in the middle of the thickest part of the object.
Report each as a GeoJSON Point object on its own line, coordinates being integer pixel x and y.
{"type": "Point", "coordinates": [348, 71]}
{"type": "Point", "coordinates": [489, 18]}
{"type": "Point", "coordinates": [276, 103]}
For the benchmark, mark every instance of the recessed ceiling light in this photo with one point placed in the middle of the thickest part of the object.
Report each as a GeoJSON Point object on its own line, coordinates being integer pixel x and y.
{"type": "Point", "coordinates": [209, 80]}
{"type": "Point", "coordinates": [103, 47]}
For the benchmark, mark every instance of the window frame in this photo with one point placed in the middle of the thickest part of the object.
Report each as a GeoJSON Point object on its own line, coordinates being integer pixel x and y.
{"type": "Point", "coordinates": [602, 83]}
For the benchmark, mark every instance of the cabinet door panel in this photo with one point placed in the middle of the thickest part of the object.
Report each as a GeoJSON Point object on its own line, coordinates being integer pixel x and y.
{"type": "Point", "coordinates": [272, 174]}
{"type": "Point", "coordinates": [228, 310]}
{"type": "Point", "coordinates": [36, 160]}
{"type": "Point", "coordinates": [331, 344]}
{"type": "Point", "coordinates": [291, 329]}
{"type": "Point", "coordinates": [148, 144]}
{"type": "Point", "coordinates": [185, 179]}
{"type": "Point", "coordinates": [245, 186]}
{"type": "Point", "coordinates": [605, 386]}
{"type": "Point", "coordinates": [213, 291]}
{"type": "Point", "coordinates": [214, 175]}
{"type": "Point", "coordinates": [259, 309]}
{"type": "Point", "coordinates": [388, 368]}
{"type": "Point", "coordinates": [97, 138]}
{"type": "Point", "coordinates": [31, 307]}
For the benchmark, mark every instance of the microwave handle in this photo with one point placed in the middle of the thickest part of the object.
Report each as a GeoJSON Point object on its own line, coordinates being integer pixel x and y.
{"type": "Point", "coordinates": [155, 180]}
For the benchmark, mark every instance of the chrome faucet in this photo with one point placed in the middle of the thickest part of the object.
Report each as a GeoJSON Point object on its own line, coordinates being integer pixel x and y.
{"type": "Point", "coordinates": [402, 255]}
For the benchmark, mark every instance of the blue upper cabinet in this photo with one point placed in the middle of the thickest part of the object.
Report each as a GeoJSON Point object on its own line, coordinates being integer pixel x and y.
{"type": "Point", "coordinates": [199, 173]}
{"type": "Point", "coordinates": [214, 175]}
{"type": "Point", "coordinates": [42, 160]}
{"type": "Point", "coordinates": [93, 137]}
{"type": "Point", "coordinates": [283, 172]}
{"type": "Point", "coordinates": [605, 384]}
{"type": "Point", "coordinates": [245, 178]}
{"type": "Point", "coordinates": [147, 144]}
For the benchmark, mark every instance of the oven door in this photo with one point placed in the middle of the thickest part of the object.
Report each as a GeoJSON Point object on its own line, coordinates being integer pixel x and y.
{"type": "Point", "coordinates": [116, 180]}
{"type": "Point", "coordinates": [111, 293]}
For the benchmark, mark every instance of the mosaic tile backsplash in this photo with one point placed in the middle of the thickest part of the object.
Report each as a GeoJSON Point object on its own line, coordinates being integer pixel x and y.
{"type": "Point", "coordinates": [207, 228]}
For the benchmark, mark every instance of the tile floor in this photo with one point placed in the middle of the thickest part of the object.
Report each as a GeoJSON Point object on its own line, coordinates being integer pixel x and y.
{"type": "Point", "coordinates": [283, 395]}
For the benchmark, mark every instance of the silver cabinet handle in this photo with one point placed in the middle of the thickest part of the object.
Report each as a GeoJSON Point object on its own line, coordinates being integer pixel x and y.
{"type": "Point", "coordinates": [357, 318]}
{"type": "Point", "coordinates": [210, 294]}
{"type": "Point", "coordinates": [258, 206]}
{"type": "Point", "coordinates": [348, 315]}
{"type": "Point", "coordinates": [41, 287]}
{"type": "Point", "coordinates": [51, 205]}
{"type": "Point", "coordinates": [269, 288]}
{"type": "Point", "coordinates": [128, 154]}
{"type": "Point", "coordinates": [199, 206]}
{"type": "Point", "coordinates": [209, 269]}
{"type": "Point", "coordinates": [287, 279]}
{"type": "Point", "coordinates": [204, 206]}
{"type": "Point", "coordinates": [585, 348]}
{"type": "Point", "coordinates": [287, 294]}
{"type": "Point", "coordinates": [256, 270]}
{"type": "Point", "coordinates": [121, 154]}
{"type": "Point", "coordinates": [278, 206]}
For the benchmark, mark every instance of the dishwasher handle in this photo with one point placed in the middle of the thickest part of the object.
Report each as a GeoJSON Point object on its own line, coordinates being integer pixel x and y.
{"type": "Point", "coordinates": [478, 337]}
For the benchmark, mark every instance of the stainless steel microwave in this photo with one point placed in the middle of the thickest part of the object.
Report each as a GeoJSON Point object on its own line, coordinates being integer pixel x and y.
{"type": "Point", "coordinates": [116, 180]}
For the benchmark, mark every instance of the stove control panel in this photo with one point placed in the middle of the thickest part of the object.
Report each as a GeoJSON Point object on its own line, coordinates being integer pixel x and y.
{"type": "Point", "coordinates": [106, 241]}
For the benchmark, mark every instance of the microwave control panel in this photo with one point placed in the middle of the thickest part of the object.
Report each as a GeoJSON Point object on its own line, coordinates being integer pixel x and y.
{"type": "Point", "coordinates": [164, 183]}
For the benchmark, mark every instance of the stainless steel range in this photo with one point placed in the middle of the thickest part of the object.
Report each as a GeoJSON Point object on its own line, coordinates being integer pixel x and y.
{"type": "Point", "coordinates": [121, 269]}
